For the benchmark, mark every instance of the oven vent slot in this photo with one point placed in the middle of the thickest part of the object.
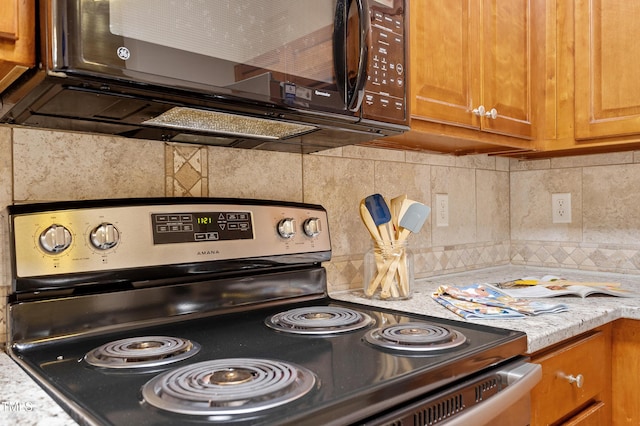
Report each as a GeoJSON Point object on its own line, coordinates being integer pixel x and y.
{"type": "Point", "coordinates": [440, 410]}
{"type": "Point", "coordinates": [487, 388]}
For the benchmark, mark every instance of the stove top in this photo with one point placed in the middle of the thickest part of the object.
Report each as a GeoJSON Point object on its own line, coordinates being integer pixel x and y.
{"type": "Point", "coordinates": [142, 352]}
{"type": "Point", "coordinates": [319, 320]}
{"type": "Point", "coordinates": [324, 376]}
{"type": "Point", "coordinates": [184, 311]}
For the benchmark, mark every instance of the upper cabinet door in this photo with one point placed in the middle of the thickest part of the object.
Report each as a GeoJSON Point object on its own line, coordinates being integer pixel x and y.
{"type": "Point", "coordinates": [445, 67]}
{"type": "Point", "coordinates": [607, 83]}
{"type": "Point", "coordinates": [469, 57]}
{"type": "Point", "coordinates": [508, 59]}
{"type": "Point", "coordinates": [17, 39]}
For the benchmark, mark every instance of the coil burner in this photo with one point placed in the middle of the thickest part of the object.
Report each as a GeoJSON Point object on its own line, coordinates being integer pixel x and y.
{"type": "Point", "coordinates": [226, 387]}
{"type": "Point", "coordinates": [142, 352]}
{"type": "Point", "coordinates": [415, 337]}
{"type": "Point", "coordinates": [319, 320]}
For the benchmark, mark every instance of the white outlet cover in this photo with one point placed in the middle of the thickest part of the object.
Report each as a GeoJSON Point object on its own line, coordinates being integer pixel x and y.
{"type": "Point", "coordinates": [442, 210]}
{"type": "Point", "coordinates": [561, 207]}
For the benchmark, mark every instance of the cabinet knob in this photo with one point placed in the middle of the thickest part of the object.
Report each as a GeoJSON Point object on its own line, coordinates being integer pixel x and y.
{"type": "Point", "coordinates": [578, 380]}
{"type": "Point", "coordinates": [482, 112]}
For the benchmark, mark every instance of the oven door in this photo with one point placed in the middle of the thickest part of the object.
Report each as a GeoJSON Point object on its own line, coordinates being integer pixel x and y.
{"type": "Point", "coordinates": [499, 397]}
{"type": "Point", "coordinates": [307, 54]}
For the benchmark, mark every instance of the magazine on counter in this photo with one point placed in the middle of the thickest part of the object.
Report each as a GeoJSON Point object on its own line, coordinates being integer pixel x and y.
{"type": "Point", "coordinates": [551, 286]}
{"type": "Point", "coordinates": [483, 301]}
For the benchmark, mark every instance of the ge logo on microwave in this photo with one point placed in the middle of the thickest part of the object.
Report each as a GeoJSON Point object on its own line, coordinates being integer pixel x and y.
{"type": "Point", "coordinates": [123, 53]}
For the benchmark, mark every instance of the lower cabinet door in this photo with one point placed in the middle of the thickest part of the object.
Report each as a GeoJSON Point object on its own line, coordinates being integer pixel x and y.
{"type": "Point", "coordinates": [593, 415]}
{"type": "Point", "coordinates": [574, 375]}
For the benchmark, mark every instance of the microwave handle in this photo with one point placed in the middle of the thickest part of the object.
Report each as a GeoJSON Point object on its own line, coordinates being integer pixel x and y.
{"type": "Point", "coordinates": [355, 93]}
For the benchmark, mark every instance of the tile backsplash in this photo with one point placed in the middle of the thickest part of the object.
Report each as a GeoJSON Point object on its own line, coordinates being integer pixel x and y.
{"type": "Point", "coordinates": [604, 234]}
{"type": "Point", "coordinates": [499, 208]}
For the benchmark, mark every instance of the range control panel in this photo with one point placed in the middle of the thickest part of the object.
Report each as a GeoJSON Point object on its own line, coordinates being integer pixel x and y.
{"type": "Point", "coordinates": [60, 240]}
{"type": "Point", "coordinates": [190, 227]}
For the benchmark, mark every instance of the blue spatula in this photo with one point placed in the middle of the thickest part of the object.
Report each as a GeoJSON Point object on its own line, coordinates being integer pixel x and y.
{"type": "Point", "coordinates": [380, 213]}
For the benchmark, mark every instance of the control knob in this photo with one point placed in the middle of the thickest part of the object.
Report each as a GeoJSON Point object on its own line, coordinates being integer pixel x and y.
{"type": "Point", "coordinates": [55, 239]}
{"type": "Point", "coordinates": [104, 236]}
{"type": "Point", "coordinates": [311, 227]}
{"type": "Point", "coordinates": [287, 227]}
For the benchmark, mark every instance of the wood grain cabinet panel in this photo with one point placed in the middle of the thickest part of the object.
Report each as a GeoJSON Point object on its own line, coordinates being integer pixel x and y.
{"type": "Point", "coordinates": [445, 67]}
{"type": "Point", "coordinates": [17, 39]}
{"type": "Point", "coordinates": [607, 87]}
{"type": "Point", "coordinates": [558, 400]}
{"type": "Point", "coordinates": [626, 372]}
{"type": "Point", "coordinates": [468, 54]}
{"type": "Point", "coordinates": [593, 415]}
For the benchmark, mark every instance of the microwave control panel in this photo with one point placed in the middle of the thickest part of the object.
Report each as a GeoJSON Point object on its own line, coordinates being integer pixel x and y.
{"type": "Point", "coordinates": [385, 89]}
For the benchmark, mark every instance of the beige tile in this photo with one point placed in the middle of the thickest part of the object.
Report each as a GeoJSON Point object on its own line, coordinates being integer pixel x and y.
{"type": "Point", "coordinates": [394, 179]}
{"type": "Point", "coordinates": [611, 200]}
{"type": "Point", "coordinates": [476, 162]}
{"type": "Point", "coordinates": [592, 160]}
{"type": "Point", "coordinates": [255, 174]}
{"type": "Point", "coordinates": [6, 178]}
{"type": "Point", "coordinates": [459, 184]}
{"type": "Point", "coordinates": [6, 196]}
{"type": "Point", "coordinates": [369, 153]}
{"type": "Point", "coordinates": [52, 165]}
{"type": "Point", "coordinates": [333, 152]}
{"type": "Point", "coordinates": [339, 184]}
{"type": "Point", "coordinates": [503, 164]}
{"type": "Point", "coordinates": [530, 195]}
{"type": "Point", "coordinates": [530, 164]}
{"type": "Point", "coordinates": [492, 195]}
{"type": "Point", "coordinates": [428, 158]}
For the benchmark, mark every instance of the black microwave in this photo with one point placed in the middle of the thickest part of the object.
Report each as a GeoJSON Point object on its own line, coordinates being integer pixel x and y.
{"type": "Point", "coordinates": [292, 75]}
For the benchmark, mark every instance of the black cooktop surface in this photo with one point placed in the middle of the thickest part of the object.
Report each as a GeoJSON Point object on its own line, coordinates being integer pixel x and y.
{"type": "Point", "coordinates": [350, 374]}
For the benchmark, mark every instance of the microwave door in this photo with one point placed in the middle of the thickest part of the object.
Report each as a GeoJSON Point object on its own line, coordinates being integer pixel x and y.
{"type": "Point", "coordinates": [351, 43]}
{"type": "Point", "coordinates": [273, 51]}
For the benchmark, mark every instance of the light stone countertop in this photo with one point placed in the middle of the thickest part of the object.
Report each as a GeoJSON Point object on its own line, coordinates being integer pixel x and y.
{"type": "Point", "coordinates": [23, 402]}
{"type": "Point", "coordinates": [542, 330]}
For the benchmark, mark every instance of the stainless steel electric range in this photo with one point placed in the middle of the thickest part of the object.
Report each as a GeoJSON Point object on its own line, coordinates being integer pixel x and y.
{"type": "Point", "coordinates": [188, 311]}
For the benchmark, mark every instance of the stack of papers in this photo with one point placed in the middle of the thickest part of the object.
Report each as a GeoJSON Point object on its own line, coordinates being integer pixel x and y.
{"type": "Point", "coordinates": [484, 301]}
{"type": "Point", "coordinates": [551, 286]}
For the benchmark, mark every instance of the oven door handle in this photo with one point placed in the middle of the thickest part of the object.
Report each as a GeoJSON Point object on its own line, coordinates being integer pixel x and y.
{"type": "Point", "coordinates": [520, 380]}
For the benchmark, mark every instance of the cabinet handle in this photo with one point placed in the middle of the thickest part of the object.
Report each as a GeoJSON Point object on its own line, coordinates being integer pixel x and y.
{"type": "Point", "coordinates": [482, 112]}
{"type": "Point", "coordinates": [578, 380]}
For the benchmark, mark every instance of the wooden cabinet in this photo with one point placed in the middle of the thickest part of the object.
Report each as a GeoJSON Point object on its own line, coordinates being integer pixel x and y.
{"type": "Point", "coordinates": [469, 56]}
{"type": "Point", "coordinates": [576, 382]}
{"type": "Point", "coordinates": [598, 91]}
{"type": "Point", "coordinates": [607, 57]}
{"type": "Point", "coordinates": [17, 39]}
{"type": "Point", "coordinates": [625, 371]}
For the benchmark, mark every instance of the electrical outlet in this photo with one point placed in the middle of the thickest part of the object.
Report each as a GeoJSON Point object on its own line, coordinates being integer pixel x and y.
{"type": "Point", "coordinates": [442, 210]}
{"type": "Point", "coordinates": [561, 207]}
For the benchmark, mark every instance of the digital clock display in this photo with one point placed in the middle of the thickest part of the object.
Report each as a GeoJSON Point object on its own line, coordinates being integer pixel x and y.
{"type": "Point", "coordinates": [206, 220]}
{"type": "Point", "coordinates": [192, 227]}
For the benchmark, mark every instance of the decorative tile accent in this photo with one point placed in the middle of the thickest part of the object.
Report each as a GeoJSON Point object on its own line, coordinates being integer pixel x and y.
{"type": "Point", "coordinates": [186, 170]}
{"type": "Point", "coordinates": [589, 257]}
